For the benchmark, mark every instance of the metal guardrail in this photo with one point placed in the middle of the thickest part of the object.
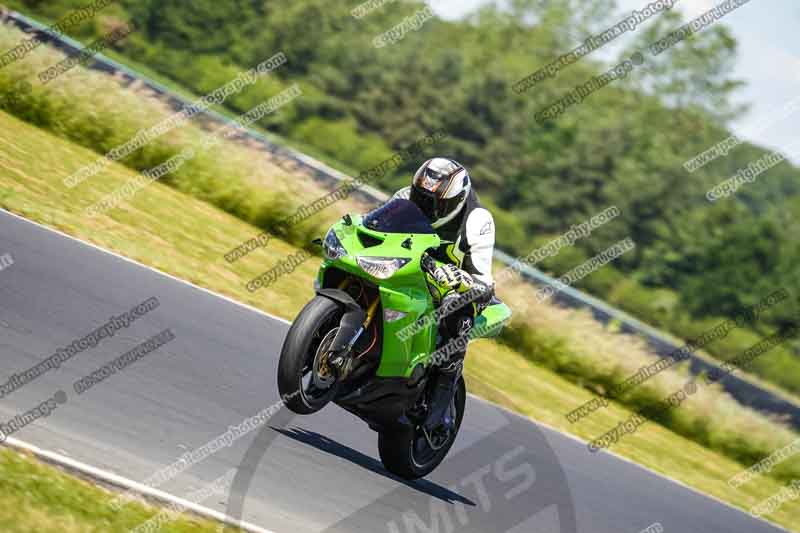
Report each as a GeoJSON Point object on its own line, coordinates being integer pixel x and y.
{"type": "Point", "coordinates": [744, 391]}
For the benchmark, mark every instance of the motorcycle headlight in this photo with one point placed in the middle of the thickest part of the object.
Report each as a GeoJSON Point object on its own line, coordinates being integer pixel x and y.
{"type": "Point", "coordinates": [381, 267]}
{"type": "Point", "coordinates": [332, 246]}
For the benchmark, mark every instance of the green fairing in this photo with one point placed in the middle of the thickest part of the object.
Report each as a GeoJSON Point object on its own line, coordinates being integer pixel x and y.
{"type": "Point", "coordinates": [405, 291]}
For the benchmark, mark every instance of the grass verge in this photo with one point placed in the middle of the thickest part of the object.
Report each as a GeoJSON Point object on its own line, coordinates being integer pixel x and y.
{"type": "Point", "coordinates": [38, 497]}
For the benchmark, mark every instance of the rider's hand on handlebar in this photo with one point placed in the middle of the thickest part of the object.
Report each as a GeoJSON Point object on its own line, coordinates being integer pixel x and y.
{"type": "Point", "coordinates": [450, 277]}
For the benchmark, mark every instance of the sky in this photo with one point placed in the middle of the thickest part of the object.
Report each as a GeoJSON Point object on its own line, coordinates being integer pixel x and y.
{"type": "Point", "coordinates": [768, 61]}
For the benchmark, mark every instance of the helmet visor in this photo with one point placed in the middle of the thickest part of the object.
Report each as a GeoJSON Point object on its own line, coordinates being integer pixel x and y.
{"type": "Point", "coordinates": [430, 180]}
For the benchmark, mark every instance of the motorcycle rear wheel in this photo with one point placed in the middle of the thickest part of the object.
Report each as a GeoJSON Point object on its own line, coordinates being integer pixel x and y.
{"type": "Point", "coordinates": [407, 453]}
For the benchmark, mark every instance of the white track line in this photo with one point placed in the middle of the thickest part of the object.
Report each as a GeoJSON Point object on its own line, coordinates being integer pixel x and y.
{"type": "Point", "coordinates": [279, 319]}
{"type": "Point", "coordinates": [126, 483]}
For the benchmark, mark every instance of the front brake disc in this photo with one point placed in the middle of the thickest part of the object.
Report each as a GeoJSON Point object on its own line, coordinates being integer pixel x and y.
{"type": "Point", "coordinates": [321, 372]}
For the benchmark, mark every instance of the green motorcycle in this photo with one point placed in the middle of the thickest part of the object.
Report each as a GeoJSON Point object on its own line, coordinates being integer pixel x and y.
{"type": "Point", "coordinates": [362, 341]}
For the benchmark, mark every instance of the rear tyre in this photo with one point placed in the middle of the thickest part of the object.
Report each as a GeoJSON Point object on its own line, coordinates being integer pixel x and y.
{"type": "Point", "coordinates": [410, 453]}
{"type": "Point", "coordinates": [304, 381]}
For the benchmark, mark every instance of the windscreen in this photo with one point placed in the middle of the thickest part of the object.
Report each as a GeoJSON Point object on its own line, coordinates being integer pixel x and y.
{"type": "Point", "coordinates": [398, 216]}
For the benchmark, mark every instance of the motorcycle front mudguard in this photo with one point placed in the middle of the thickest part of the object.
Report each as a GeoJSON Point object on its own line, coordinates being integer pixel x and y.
{"type": "Point", "coordinates": [350, 323]}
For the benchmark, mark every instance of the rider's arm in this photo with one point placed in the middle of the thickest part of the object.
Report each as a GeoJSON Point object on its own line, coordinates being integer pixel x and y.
{"type": "Point", "coordinates": [480, 249]}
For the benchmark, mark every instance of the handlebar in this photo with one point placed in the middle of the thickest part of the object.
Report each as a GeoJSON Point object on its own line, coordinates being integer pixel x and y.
{"type": "Point", "coordinates": [427, 263]}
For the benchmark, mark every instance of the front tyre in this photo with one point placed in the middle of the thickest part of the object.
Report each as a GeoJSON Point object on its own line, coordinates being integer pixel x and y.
{"type": "Point", "coordinates": [412, 453]}
{"type": "Point", "coordinates": [305, 381]}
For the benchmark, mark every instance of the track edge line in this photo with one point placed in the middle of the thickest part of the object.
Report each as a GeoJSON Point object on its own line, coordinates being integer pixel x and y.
{"type": "Point", "coordinates": [128, 484]}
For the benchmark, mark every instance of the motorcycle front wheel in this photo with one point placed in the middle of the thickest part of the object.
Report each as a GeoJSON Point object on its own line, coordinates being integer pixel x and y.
{"type": "Point", "coordinates": [305, 382]}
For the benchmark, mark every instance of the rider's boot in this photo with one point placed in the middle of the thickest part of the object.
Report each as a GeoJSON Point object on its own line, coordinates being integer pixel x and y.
{"type": "Point", "coordinates": [443, 393]}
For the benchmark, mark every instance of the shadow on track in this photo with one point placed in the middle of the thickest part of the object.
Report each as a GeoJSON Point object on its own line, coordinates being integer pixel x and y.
{"type": "Point", "coordinates": [332, 447]}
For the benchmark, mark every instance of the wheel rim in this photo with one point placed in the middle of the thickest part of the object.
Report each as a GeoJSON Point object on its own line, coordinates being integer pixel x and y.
{"type": "Point", "coordinates": [321, 374]}
{"type": "Point", "coordinates": [315, 388]}
{"type": "Point", "coordinates": [426, 448]}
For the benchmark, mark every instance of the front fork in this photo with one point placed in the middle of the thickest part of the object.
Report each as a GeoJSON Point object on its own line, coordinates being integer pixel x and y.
{"type": "Point", "coordinates": [352, 325]}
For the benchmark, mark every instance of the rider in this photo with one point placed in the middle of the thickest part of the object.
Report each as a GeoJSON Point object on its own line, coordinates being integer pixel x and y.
{"type": "Point", "coordinates": [442, 189]}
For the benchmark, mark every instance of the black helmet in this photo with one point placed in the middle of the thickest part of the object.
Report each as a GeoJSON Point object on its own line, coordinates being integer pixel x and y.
{"type": "Point", "coordinates": [440, 188]}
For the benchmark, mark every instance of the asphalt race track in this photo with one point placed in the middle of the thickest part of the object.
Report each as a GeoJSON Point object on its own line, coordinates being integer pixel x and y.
{"type": "Point", "coordinates": [318, 473]}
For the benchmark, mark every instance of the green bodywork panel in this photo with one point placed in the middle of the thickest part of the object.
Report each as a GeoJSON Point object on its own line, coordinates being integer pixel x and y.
{"type": "Point", "coordinates": [405, 291]}
{"type": "Point", "coordinates": [490, 322]}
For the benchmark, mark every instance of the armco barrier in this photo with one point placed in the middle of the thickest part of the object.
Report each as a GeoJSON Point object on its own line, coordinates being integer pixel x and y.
{"type": "Point", "coordinates": [744, 391]}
